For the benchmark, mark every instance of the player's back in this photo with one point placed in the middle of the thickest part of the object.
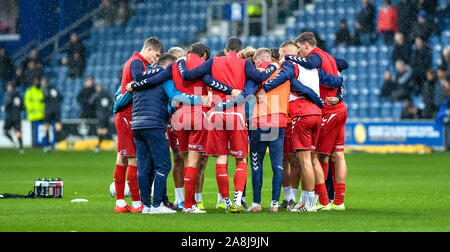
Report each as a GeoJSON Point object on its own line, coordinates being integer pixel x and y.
{"type": "Point", "coordinates": [230, 70]}
{"type": "Point", "coordinates": [189, 87]}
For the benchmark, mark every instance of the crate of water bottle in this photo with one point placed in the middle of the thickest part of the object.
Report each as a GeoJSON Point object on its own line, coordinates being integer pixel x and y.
{"type": "Point", "coordinates": [52, 188]}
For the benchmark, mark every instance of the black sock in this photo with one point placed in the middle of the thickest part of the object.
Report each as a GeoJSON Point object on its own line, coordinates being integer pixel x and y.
{"type": "Point", "coordinates": [9, 137]}
{"type": "Point", "coordinates": [47, 138]}
{"type": "Point", "coordinates": [20, 142]}
{"type": "Point", "coordinates": [100, 139]}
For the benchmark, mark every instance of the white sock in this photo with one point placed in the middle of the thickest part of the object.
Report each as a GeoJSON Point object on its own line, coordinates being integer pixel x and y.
{"type": "Point", "coordinates": [219, 197]}
{"type": "Point", "coordinates": [304, 197]}
{"type": "Point", "coordinates": [179, 195]}
{"type": "Point", "coordinates": [198, 197]}
{"type": "Point", "coordinates": [287, 193]}
{"type": "Point", "coordinates": [136, 204]}
{"type": "Point", "coordinates": [243, 199]}
{"type": "Point", "coordinates": [227, 201]}
{"type": "Point", "coordinates": [311, 199]}
{"type": "Point", "coordinates": [121, 203]}
{"type": "Point", "coordinates": [294, 193]}
{"type": "Point", "coordinates": [238, 198]}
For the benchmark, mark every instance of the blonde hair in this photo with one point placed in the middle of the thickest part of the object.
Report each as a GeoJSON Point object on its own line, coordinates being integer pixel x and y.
{"type": "Point", "coordinates": [248, 53]}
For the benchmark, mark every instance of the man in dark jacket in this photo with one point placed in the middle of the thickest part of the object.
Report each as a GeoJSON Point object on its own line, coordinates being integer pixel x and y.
{"type": "Point", "coordinates": [53, 99]}
{"type": "Point", "coordinates": [407, 12]}
{"type": "Point", "coordinates": [402, 49]}
{"type": "Point", "coordinates": [83, 98]}
{"type": "Point", "coordinates": [365, 23]}
{"type": "Point", "coordinates": [13, 108]}
{"type": "Point", "coordinates": [103, 102]}
{"type": "Point", "coordinates": [421, 59]}
{"type": "Point", "coordinates": [6, 68]}
{"type": "Point", "coordinates": [150, 121]}
{"type": "Point", "coordinates": [343, 36]}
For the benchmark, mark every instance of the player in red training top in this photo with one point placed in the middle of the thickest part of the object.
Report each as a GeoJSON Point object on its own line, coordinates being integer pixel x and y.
{"type": "Point", "coordinates": [134, 69]}
{"type": "Point", "coordinates": [332, 134]}
{"type": "Point", "coordinates": [227, 131]}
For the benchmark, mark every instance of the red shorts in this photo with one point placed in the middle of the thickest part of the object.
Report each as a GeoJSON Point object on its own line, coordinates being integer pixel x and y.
{"type": "Point", "coordinates": [288, 141]}
{"type": "Point", "coordinates": [125, 138]}
{"type": "Point", "coordinates": [172, 136]}
{"type": "Point", "coordinates": [306, 131]}
{"type": "Point", "coordinates": [188, 124]}
{"type": "Point", "coordinates": [227, 133]}
{"type": "Point", "coordinates": [332, 133]}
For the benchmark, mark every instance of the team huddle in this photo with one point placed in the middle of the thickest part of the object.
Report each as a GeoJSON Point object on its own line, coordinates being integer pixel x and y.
{"type": "Point", "coordinates": [201, 106]}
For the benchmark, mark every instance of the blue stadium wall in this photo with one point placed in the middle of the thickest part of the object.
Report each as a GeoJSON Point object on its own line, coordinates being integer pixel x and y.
{"type": "Point", "coordinates": [41, 19]}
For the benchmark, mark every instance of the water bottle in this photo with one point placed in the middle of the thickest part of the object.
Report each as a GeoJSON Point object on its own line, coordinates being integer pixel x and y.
{"type": "Point", "coordinates": [37, 188]}
{"type": "Point", "coordinates": [51, 188]}
{"type": "Point", "coordinates": [59, 188]}
{"type": "Point", "coordinates": [44, 191]}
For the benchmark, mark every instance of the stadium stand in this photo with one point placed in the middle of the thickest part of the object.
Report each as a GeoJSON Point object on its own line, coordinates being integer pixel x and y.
{"type": "Point", "coordinates": [109, 47]}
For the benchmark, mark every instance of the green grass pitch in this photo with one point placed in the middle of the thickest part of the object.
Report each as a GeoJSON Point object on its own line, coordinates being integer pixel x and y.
{"type": "Point", "coordinates": [384, 193]}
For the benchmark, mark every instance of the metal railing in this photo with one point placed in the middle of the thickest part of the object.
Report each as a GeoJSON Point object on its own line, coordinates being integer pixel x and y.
{"type": "Point", "coordinates": [55, 40]}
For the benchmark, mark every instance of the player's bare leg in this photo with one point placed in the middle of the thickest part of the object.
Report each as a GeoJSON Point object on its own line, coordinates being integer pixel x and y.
{"type": "Point", "coordinates": [340, 167]}
{"type": "Point", "coordinates": [286, 186]}
{"type": "Point", "coordinates": [294, 179]}
{"type": "Point", "coordinates": [101, 134]}
{"type": "Point", "coordinates": [18, 135]}
{"type": "Point", "coordinates": [200, 180]}
{"type": "Point", "coordinates": [307, 200]}
{"type": "Point", "coordinates": [178, 170]}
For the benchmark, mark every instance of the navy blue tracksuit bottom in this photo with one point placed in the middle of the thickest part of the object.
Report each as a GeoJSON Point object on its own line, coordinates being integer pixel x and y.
{"type": "Point", "coordinates": [260, 139]}
{"type": "Point", "coordinates": [153, 163]}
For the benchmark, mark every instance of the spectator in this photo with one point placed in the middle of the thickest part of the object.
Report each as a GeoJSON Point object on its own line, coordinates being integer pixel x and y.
{"type": "Point", "coordinates": [84, 97]}
{"type": "Point", "coordinates": [102, 101]}
{"type": "Point", "coordinates": [4, 28]}
{"type": "Point", "coordinates": [443, 116]}
{"type": "Point", "coordinates": [6, 68]}
{"type": "Point", "coordinates": [76, 46]}
{"type": "Point", "coordinates": [106, 15]}
{"type": "Point", "coordinates": [33, 56]}
{"type": "Point", "coordinates": [422, 28]}
{"type": "Point", "coordinates": [402, 50]}
{"type": "Point", "coordinates": [402, 79]}
{"type": "Point", "coordinates": [387, 22]}
{"type": "Point", "coordinates": [124, 12]}
{"type": "Point", "coordinates": [27, 76]}
{"type": "Point", "coordinates": [407, 12]}
{"type": "Point", "coordinates": [365, 23]}
{"type": "Point", "coordinates": [76, 66]}
{"type": "Point", "coordinates": [429, 95]}
{"type": "Point", "coordinates": [445, 63]}
{"type": "Point", "coordinates": [421, 59]}
{"type": "Point", "coordinates": [389, 85]}
{"type": "Point", "coordinates": [343, 36]}
{"type": "Point", "coordinates": [430, 6]}
{"type": "Point", "coordinates": [409, 110]}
